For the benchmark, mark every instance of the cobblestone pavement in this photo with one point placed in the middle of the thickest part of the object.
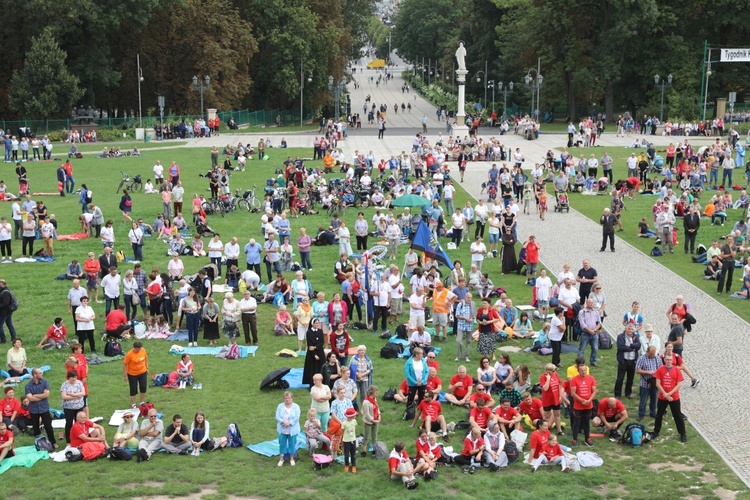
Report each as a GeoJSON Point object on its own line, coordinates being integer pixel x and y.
{"type": "Point", "coordinates": [626, 275]}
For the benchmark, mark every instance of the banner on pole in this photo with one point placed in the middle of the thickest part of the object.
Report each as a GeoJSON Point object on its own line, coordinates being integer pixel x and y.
{"type": "Point", "coordinates": [735, 55]}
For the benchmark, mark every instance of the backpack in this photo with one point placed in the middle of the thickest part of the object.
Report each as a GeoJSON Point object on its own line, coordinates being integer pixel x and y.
{"type": "Point", "coordinates": [196, 284]}
{"type": "Point", "coordinates": [13, 305]}
{"type": "Point", "coordinates": [278, 299]}
{"type": "Point", "coordinates": [41, 443]}
{"type": "Point", "coordinates": [113, 348]}
{"type": "Point", "coordinates": [656, 252]}
{"type": "Point", "coordinates": [390, 394]}
{"type": "Point", "coordinates": [120, 256]}
{"type": "Point", "coordinates": [159, 379]}
{"type": "Point", "coordinates": [511, 451]}
{"type": "Point", "coordinates": [89, 195]}
{"type": "Point", "coordinates": [410, 411]}
{"type": "Point", "coordinates": [702, 248]}
{"type": "Point", "coordinates": [321, 461]}
{"type": "Point", "coordinates": [605, 341]}
{"type": "Point", "coordinates": [401, 332]}
{"type": "Point", "coordinates": [120, 453]}
{"type": "Point", "coordinates": [234, 352]}
{"type": "Point", "coordinates": [635, 435]}
{"type": "Point", "coordinates": [380, 450]}
{"type": "Point", "coordinates": [234, 438]}
{"type": "Point", "coordinates": [391, 350]}
{"type": "Point", "coordinates": [145, 407]}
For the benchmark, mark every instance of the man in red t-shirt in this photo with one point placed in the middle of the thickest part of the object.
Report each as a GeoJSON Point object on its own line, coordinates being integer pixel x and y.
{"type": "Point", "coordinates": [531, 408]}
{"type": "Point", "coordinates": [6, 442]}
{"type": "Point", "coordinates": [532, 257]}
{"type": "Point", "coordinates": [679, 362]}
{"type": "Point", "coordinates": [86, 431]}
{"type": "Point", "coordinates": [432, 414]}
{"type": "Point", "coordinates": [583, 392]}
{"type": "Point", "coordinates": [610, 414]}
{"type": "Point", "coordinates": [481, 393]}
{"type": "Point", "coordinates": [399, 466]}
{"type": "Point", "coordinates": [117, 323]}
{"type": "Point", "coordinates": [480, 415]}
{"type": "Point", "coordinates": [668, 381]}
{"type": "Point", "coordinates": [434, 383]}
{"type": "Point", "coordinates": [402, 392]}
{"type": "Point", "coordinates": [431, 361]}
{"type": "Point", "coordinates": [10, 407]}
{"type": "Point", "coordinates": [508, 417]}
{"type": "Point", "coordinates": [459, 390]}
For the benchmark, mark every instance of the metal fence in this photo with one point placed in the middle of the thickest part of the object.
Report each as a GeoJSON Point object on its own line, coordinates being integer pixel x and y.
{"type": "Point", "coordinates": [241, 117]}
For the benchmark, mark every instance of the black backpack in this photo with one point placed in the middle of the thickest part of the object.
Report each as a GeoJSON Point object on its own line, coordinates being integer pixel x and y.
{"type": "Point", "coordinates": [511, 451]}
{"type": "Point", "coordinates": [410, 411]}
{"type": "Point", "coordinates": [197, 284]}
{"type": "Point", "coordinates": [401, 332]}
{"type": "Point", "coordinates": [120, 453]}
{"type": "Point", "coordinates": [391, 350]}
{"type": "Point", "coordinates": [390, 394]}
{"type": "Point", "coordinates": [605, 341]}
{"type": "Point", "coordinates": [113, 348]}
{"type": "Point", "coordinates": [13, 305]}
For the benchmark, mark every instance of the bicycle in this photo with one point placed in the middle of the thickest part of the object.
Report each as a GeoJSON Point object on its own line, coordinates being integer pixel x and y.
{"type": "Point", "coordinates": [248, 200]}
{"type": "Point", "coordinates": [132, 184]}
{"type": "Point", "coordinates": [212, 206]}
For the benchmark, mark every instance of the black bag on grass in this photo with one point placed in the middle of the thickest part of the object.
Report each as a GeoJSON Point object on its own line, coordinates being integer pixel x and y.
{"type": "Point", "coordinates": [391, 350]}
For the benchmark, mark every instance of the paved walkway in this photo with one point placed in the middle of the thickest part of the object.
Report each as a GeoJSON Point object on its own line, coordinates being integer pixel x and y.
{"type": "Point", "coordinates": [627, 275]}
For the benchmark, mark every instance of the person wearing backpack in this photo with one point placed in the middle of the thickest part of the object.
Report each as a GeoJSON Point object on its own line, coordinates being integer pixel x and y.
{"type": "Point", "coordinates": [8, 304]}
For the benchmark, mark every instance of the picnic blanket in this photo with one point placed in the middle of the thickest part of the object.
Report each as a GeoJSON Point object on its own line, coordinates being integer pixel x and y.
{"type": "Point", "coordinates": [12, 381]}
{"type": "Point", "coordinates": [97, 360]}
{"type": "Point", "coordinates": [245, 351]}
{"type": "Point", "coordinates": [178, 336]}
{"type": "Point", "coordinates": [405, 343]}
{"type": "Point", "coordinates": [26, 456]}
{"type": "Point", "coordinates": [294, 377]}
{"type": "Point", "coordinates": [116, 418]}
{"type": "Point", "coordinates": [271, 448]}
{"type": "Point", "coordinates": [567, 348]}
{"type": "Point", "coordinates": [74, 236]}
{"type": "Point", "coordinates": [45, 259]}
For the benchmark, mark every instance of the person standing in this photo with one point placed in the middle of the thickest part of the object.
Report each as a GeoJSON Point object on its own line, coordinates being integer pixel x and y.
{"type": "Point", "coordinates": [728, 251]}
{"type": "Point", "coordinates": [252, 255]}
{"type": "Point", "coordinates": [17, 219]}
{"type": "Point", "coordinates": [416, 372]}
{"type": "Point", "coordinates": [304, 243]}
{"type": "Point", "coordinates": [37, 392]}
{"type": "Point", "coordinates": [178, 193]}
{"type": "Point", "coordinates": [465, 312]}
{"type": "Point", "coordinates": [6, 312]}
{"type": "Point", "coordinates": [190, 307]}
{"type": "Point", "coordinates": [665, 224]}
{"type": "Point", "coordinates": [591, 324]}
{"type": "Point", "coordinates": [646, 367]}
{"type": "Point", "coordinates": [248, 307]}
{"type": "Point", "coordinates": [628, 345]}
{"type": "Point", "coordinates": [135, 235]}
{"type": "Point", "coordinates": [287, 427]}
{"type": "Point", "coordinates": [583, 391]}
{"type": "Point", "coordinates": [556, 333]}
{"type": "Point", "coordinates": [135, 372]}
{"type": "Point", "coordinates": [111, 285]}
{"type": "Point", "coordinates": [691, 223]}
{"type": "Point", "coordinates": [75, 295]}
{"type": "Point", "coordinates": [84, 316]}
{"type": "Point", "coordinates": [215, 248]}
{"type": "Point", "coordinates": [587, 276]}
{"type": "Point", "coordinates": [28, 235]}
{"type": "Point", "coordinates": [668, 382]}
{"type": "Point", "coordinates": [271, 250]}
{"type": "Point", "coordinates": [608, 222]}
{"type": "Point", "coordinates": [381, 128]}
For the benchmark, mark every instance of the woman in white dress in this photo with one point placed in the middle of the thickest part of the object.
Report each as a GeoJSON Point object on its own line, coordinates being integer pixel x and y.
{"type": "Point", "coordinates": [345, 245]}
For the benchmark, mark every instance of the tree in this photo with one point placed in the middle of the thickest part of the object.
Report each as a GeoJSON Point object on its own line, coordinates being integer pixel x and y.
{"type": "Point", "coordinates": [44, 87]}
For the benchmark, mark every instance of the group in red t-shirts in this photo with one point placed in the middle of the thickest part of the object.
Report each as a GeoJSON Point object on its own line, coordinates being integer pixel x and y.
{"type": "Point", "coordinates": [668, 381]}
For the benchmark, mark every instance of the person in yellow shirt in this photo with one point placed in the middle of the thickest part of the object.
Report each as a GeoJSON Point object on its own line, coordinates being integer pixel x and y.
{"type": "Point", "coordinates": [328, 162]}
{"type": "Point", "coordinates": [135, 371]}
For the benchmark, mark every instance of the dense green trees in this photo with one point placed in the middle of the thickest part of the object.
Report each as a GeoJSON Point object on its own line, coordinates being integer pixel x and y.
{"type": "Point", "coordinates": [604, 53]}
{"type": "Point", "coordinates": [252, 49]}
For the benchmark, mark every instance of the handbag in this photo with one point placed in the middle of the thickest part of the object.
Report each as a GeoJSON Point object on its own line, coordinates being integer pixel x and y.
{"type": "Point", "coordinates": [136, 299]}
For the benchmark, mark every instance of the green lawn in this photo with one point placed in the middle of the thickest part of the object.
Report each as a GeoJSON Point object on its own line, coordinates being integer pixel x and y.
{"type": "Point", "coordinates": [592, 207]}
{"type": "Point", "coordinates": [231, 388]}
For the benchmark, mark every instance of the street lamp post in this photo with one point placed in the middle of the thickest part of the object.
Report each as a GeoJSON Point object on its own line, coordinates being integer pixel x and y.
{"type": "Point", "coordinates": [491, 83]}
{"type": "Point", "coordinates": [507, 90]}
{"type": "Point", "coordinates": [534, 83]}
{"type": "Point", "coordinates": [479, 80]}
{"type": "Point", "coordinates": [664, 83]}
{"type": "Point", "coordinates": [201, 85]}
{"type": "Point", "coordinates": [302, 90]}
{"type": "Point", "coordinates": [140, 79]}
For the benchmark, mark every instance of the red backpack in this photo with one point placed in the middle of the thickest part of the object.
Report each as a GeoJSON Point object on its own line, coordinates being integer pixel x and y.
{"type": "Point", "coordinates": [145, 407]}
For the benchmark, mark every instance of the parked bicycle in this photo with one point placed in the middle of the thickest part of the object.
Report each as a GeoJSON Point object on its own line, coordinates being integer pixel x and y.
{"type": "Point", "coordinates": [247, 200]}
{"type": "Point", "coordinates": [132, 184]}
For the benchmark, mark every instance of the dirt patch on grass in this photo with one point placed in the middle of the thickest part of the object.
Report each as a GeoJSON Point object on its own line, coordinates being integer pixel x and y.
{"type": "Point", "coordinates": [308, 491]}
{"type": "Point", "coordinates": [677, 467]}
{"type": "Point", "coordinates": [509, 348]}
{"type": "Point", "coordinates": [618, 491]}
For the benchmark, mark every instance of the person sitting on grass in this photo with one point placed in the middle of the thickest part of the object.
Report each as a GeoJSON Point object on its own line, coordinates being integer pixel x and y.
{"type": "Point", "coordinates": [56, 336]}
{"type": "Point", "coordinates": [511, 393]}
{"type": "Point", "coordinates": [126, 433]}
{"type": "Point", "coordinates": [314, 432]}
{"type": "Point", "coordinates": [6, 442]}
{"type": "Point", "coordinates": [460, 388]}
{"type": "Point", "coordinates": [86, 431]}
{"type": "Point", "coordinates": [400, 467]}
{"type": "Point", "coordinates": [199, 433]}
{"type": "Point", "coordinates": [117, 325]}
{"type": "Point", "coordinates": [480, 416]}
{"type": "Point", "coordinates": [176, 437]}
{"type": "Point", "coordinates": [471, 455]}
{"type": "Point", "coordinates": [508, 417]}
{"type": "Point", "coordinates": [151, 433]}
{"type": "Point", "coordinates": [402, 393]}
{"type": "Point", "coordinates": [552, 454]}
{"type": "Point", "coordinates": [432, 415]}
{"type": "Point", "coordinates": [423, 446]}
{"type": "Point", "coordinates": [494, 455]}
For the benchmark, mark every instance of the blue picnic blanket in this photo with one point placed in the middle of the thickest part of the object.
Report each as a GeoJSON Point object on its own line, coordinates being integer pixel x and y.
{"type": "Point", "coordinates": [405, 343]}
{"type": "Point", "coordinates": [45, 259]}
{"type": "Point", "coordinates": [178, 336]}
{"type": "Point", "coordinates": [294, 377]}
{"type": "Point", "coordinates": [271, 448]}
{"type": "Point", "coordinates": [44, 369]}
{"type": "Point", "coordinates": [245, 351]}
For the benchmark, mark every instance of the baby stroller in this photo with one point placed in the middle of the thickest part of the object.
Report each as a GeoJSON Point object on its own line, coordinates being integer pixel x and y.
{"type": "Point", "coordinates": [492, 190]}
{"type": "Point", "coordinates": [563, 204]}
{"type": "Point", "coordinates": [204, 230]}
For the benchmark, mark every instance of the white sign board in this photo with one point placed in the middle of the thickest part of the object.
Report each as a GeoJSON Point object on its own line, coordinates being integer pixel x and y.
{"type": "Point", "coordinates": [735, 55]}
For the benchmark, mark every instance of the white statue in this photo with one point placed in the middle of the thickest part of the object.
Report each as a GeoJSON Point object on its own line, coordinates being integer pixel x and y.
{"type": "Point", "coordinates": [461, 56]}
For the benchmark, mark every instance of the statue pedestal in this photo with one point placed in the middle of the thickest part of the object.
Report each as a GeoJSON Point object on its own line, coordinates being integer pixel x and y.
{"type": "Point", "coordinates": [460, 130]}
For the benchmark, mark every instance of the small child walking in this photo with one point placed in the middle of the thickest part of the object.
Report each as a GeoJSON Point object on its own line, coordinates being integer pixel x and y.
{"type": "Point", "coordinates": [528, 195]}
{"type": "Point", "coordinates": [350, 440]}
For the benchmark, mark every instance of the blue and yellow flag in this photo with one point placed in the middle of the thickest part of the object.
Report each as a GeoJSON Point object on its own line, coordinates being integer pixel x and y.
{"type": "Point", "coordinates": [427, 243]}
